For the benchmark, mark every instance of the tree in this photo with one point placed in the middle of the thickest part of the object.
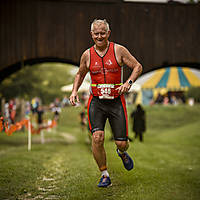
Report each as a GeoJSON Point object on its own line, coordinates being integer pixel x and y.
{"type": "Point", "coordinates": [42, 80]}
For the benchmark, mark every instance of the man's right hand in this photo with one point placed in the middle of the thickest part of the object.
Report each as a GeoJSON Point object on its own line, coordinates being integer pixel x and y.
{"type": "Point", "coordinates": [73, 98]}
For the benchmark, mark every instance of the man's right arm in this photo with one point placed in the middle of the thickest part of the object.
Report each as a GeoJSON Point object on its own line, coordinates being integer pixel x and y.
{"type": "Point", "coordinates": [83, 69]}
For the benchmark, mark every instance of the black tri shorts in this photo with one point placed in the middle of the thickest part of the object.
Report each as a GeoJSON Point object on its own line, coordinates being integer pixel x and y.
{"type": "Point", "coordinates": [99, 110]}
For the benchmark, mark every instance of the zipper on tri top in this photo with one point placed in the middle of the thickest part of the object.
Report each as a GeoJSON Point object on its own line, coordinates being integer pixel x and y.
{"type": "Point", "coordinates": [104, 73]}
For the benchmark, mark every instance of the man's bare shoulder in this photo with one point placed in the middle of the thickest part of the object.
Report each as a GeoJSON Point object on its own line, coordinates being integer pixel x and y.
{"type": "Point", "coordinates": [120, 51]}
{"type": "Point", "coordinates": [120, 48]}
{"type": "Point", "coordinates": [85, 58]}
{"type": "Point", "coordinates": [86, 54]}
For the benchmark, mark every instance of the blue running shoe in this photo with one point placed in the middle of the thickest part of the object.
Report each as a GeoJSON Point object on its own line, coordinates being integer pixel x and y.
{"type": "Point", "coordinates": [126, 159]}
{"type": "Point", "coordinates": [104, 181]}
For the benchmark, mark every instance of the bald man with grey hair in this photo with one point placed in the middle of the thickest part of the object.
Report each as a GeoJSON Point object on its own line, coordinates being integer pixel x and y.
{"type": "Point", "coordinates": [98, 22]}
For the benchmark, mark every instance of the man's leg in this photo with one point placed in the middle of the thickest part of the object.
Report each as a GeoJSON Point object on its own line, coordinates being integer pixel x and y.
{"type": "Point", "coordinates": [122, 146]}
{"type": "Point", "coordinates": [99, 155]}
{"type": "Point", "coordinates": [98, 150]}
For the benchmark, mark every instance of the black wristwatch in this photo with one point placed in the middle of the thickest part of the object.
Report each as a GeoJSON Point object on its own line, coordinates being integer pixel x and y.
{"type": "Point", "coordinates": [130, 82]}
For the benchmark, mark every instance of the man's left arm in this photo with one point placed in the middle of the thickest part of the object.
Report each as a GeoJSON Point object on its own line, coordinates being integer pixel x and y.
{"type": "Point", "coordinates": [129, 60]}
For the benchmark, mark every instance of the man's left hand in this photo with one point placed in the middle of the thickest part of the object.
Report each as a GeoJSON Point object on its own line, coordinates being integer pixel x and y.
{"type": "Point", "coordinates": [123, 88]}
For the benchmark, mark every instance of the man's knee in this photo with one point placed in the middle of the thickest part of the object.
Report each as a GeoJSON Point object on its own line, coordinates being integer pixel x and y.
{"type": "Point", "coordinates": [122, 145]}
{"type": "Point", "coordinates": [98, 138]}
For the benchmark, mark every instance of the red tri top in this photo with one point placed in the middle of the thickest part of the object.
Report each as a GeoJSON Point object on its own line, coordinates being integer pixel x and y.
{"type": "Point", "coordinates": [104, 70]}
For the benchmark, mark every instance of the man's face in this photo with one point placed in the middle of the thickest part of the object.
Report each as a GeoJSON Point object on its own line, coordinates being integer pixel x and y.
{"type": "Point", "coordinates": [100, 35]}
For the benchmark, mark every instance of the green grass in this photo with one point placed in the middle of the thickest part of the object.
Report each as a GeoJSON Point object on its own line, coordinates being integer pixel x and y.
{"type": "Point", "coordinates": [167, 164]}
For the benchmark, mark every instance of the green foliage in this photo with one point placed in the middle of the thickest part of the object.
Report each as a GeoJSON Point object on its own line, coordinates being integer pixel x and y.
{"type": "Point", "coordinates": [42, 80]}
{"type": "Point", "coordinates": [194, 92]}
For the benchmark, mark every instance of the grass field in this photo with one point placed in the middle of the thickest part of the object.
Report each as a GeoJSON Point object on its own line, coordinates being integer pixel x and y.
{"type": "Point", "coordinates": [167, 164]}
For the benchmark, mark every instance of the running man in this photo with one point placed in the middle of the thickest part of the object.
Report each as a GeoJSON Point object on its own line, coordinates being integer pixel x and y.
{"type": "Point", "coordinates": [104, 61]}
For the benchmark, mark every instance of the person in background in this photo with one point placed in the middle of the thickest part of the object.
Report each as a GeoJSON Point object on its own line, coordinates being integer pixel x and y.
{"type": "Point", "coordinates": [56, 113]}
{"type": "Point", "coordinates": [40, 113]}
{"type": "Point", "coordinates": [139, 122]}
{"type": "Point", "coordinates": [65, 101]}
{"type": "Point", "coordinates": [56, 109]}
{"type": "Point", "coordinates": [12, 111]}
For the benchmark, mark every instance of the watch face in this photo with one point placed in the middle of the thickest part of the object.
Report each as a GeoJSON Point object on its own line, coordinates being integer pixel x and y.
{"type": "Point", "coordinates": [130, 82]}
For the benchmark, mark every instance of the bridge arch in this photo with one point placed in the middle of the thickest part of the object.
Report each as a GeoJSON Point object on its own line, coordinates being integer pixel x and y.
{"type": "Point", "coordinates": [29, 62]}
{"type": "Point", "coordinates": [153, 33]}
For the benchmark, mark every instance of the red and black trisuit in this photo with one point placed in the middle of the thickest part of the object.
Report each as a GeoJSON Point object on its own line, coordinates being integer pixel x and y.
{"type": "Point", "coordinates": [104, 101]}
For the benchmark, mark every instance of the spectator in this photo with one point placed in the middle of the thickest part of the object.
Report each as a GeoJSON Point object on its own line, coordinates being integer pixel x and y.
{"type": "Point", "coordinates": [139, 122]}
{"type": "Point", "coordinates": [40, 113]}
{"type": "Point", "coordinates": [34, 105]}
{"type": "Point", "coordinates": [65, 101]}
{"type": "Point", "coordinates": [159, 99]}
{"type": "Point", "coordinates": [56, 110]}
{"type": "Point", "coordinates": [12, 111]}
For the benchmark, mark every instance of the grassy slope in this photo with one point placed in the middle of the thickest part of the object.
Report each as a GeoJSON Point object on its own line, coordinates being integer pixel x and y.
{"type": "Point", "coordinates": [167, 164]}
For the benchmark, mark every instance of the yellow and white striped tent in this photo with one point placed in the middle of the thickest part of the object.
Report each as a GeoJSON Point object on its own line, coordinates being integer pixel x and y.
{"type": "Point", "coordinates": [169, 79]}
{"type": "Point", "coordinates": [173, 78]}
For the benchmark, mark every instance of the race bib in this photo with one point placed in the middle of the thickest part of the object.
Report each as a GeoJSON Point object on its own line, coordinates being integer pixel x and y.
{"type": "Point", "coordinates": [106, 91]}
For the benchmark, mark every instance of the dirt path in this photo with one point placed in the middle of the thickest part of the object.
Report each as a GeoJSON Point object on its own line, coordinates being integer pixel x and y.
{"type": "Point", "coordinates": [69, 137]}
{"type": "Point", "coordinates": [49, 181]}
